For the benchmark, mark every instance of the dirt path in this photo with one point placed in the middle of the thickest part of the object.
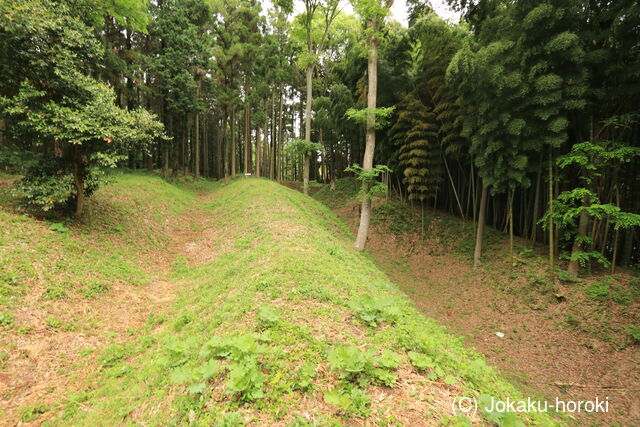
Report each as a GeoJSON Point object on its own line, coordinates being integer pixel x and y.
{"type": "Point", "coordinates": [536, 352]}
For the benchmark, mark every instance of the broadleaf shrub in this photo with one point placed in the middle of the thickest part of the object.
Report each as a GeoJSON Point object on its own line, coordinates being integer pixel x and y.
{"type": "Point", "coordinates": [362, 366]}
{"type": "Point", "coordinates": [375, 309]}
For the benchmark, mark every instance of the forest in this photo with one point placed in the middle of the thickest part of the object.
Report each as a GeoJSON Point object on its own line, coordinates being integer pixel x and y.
{"type": "Point", "coordinates": [498, 149]}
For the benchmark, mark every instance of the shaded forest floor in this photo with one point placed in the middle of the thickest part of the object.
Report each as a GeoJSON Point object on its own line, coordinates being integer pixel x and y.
{"type": "Point", "coordinates": [205, 304]}
{"type": "Point", "coordinates": [573, 341]}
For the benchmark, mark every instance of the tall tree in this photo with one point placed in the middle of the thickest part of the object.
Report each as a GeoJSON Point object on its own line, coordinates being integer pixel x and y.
{"type": "Point", "coordinates": [372, 13]}
{"type": "Point", "coordinates": [314, 46]}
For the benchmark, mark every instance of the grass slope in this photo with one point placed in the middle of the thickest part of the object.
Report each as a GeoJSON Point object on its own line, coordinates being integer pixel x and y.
{"type": "Point", "coordinates": [69, 287]}
{"type": "Point", "coordinates": [123, 220]}
{"type": "Point", "coordinates": [283, 324]}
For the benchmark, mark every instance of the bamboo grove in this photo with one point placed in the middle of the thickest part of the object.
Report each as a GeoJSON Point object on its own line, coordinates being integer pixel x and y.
{"type": "Point", "coordinates": [524, 116]}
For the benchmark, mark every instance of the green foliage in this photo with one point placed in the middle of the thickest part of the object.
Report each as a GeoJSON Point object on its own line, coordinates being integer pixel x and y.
{"type": "Point", "coordinates": [32, 413]}
{"type": "Point", "coordinates": [565, 276]}
{"type": "Point", "coordinates": [634, 334]}
{"type": "Point", "coordinates": [607, 290]}
{"type": "Point", "coordinates": [421, 361]}
{"type": "Point", "coordinates": [236, 348]}
{"type": "Point", "coordinates": [302, 147]}
{"type": "Point", "coordinates": [376, 309]}
{"type": "Point", "coordinates": [73, 116]}
{"type": "Point", "coordinates": [362, 366]}
{"type": "Point", "coordinates": [52, 322]}
{"type": "Point", "coordinates": [45, 191]}
{"type": "Point", "coordinates": [591, 158]}
{"type": "Point", "coordinates": [389, 359]}
{"type": "Point", "coordinates": [583, 258]}
{"type": "Point", "coordinates": [246, 380]}
{"type": "Point", "coordinates": [46, 186]}
{"type": "Point", "coordinates": [197, 377]}
{"type": "Point", "coordinates": [353, 402]}
{"type": "Point", "coordinates": [502, 419]}
{"type": "Point", "coordinates": [369, 178]}
{"type": "Point", "coordinates": [428, 123]}
{"type": "Point", "coordinates": [245, 376]}
{"type": "Point", "coordinates": [6, 319]}
{"type": "Point", "coordinates": [598, 289]}
{"type": "Point", "coordinates": [269, 315]}
{"type": "Point", "coordinates": [623, 296]}
{"type": "Point", "coordinates": [515, 94]}
{"type": "Point", "coordinates": [131, 14]}
{"type": "Point", "coordinates": [381, 115]}
{"type": "Point", "coordinates": [305, 376]}
{"type": "Point", "coordinates": [59, 227]}
{"type": "Point", "coordinates": [372, 13]}
{"type": "Point", "coordinates": [178, 26]}
{"type": "Point", "coordinates": [113, 355]}
{"type": "Point", "coordinates": [334, 397]}
{"type": "Point", "coordinates": [232, 419]}
{"type": "Point", "coordinates": [415, 132]}
{"type": "Point", "coordinates": [16, 161]}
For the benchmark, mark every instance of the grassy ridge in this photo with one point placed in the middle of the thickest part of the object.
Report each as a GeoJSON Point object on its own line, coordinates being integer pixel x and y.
{"type": "Point", "coordinates": [279, 321]}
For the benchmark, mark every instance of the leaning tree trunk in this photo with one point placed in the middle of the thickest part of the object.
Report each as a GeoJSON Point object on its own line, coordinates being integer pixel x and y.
{"type": "Point", "coordinates": [480, 230]}
{"type": "Point", "coordinates": [367, 163]}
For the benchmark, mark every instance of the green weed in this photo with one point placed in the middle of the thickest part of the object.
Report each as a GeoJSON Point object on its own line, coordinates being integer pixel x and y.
{"type": "Point", "coordinates": [376, 309]}
{"type": "Point", "coordinates": [32, 413]}
{"type": "Point", "coordinates": [598, 290]}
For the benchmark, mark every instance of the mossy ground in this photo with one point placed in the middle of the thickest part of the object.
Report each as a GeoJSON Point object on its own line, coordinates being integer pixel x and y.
{"type": "Point", "coordinates": [276, 320]}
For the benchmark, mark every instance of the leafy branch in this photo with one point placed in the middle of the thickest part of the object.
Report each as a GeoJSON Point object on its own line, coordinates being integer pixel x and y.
{"type": "Point", "coordinates": [303, 147]}
{"type": "Point", "coordinates": [381, 114]}
{"type": "Point", "coordinates": [369, 178]}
